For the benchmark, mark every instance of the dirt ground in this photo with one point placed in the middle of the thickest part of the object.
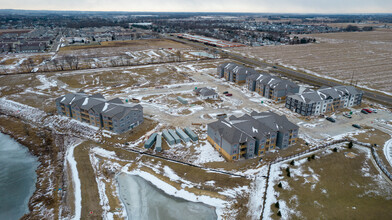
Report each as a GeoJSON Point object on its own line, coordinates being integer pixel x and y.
{"type": "Point", "coordinates": [364, 56]}
{"type": "Point", "coordinates": [90, 197]}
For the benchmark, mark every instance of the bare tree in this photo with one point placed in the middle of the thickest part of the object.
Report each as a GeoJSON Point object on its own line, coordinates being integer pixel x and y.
{"type": "Point", "coordinates": [56, 63]}
{"type": "Point", "coordinates": [113, 62]}
{"type": "Point", "coordinates": [179, 55]}
{"type": "Point", "coordinates": [76, 61]}
{"type": "Point", "coordinates": [69, 60]}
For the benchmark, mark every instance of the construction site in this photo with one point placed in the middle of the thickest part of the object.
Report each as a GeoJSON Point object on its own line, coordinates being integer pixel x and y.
{"type": "Point", "coordinates": [171, 150]}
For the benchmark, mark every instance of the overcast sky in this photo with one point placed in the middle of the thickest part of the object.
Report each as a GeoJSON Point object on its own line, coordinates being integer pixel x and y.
{"type": "Point", "coordinates": [274, 6]}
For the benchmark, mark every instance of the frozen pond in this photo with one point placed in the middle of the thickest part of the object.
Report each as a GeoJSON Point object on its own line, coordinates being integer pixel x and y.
{"type": "Point", "coordinates": [144, 201]}
{"type": "Point", "coordinates": [17, 178]}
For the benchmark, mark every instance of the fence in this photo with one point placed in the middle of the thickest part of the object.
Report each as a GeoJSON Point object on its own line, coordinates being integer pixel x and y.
{"type": "Point", "coordinates": [379, 162]}
{"type": "Point", "coordinates": [278, 160]}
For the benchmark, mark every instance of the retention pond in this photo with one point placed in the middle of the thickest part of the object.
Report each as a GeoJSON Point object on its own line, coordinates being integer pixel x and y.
{"type": "Point", "coordinates": [145, 201]}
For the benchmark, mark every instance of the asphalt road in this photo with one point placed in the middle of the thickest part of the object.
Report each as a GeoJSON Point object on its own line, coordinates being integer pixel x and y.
{"type": "Point", "coordinates": [307, 78]}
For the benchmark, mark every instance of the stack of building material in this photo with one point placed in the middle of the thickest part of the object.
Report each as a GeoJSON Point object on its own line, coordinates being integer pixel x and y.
{"type": "Point", "coordinates": [182, 100]}
{"type": "Point", "coordinates": [158, 144]}
{"type": "Point", "coordinates": [170, 140]}
{"type": "Point", "coordinates": [150, 141]}
{"type": "Point", "coordinates": [191, 134]}
{"type": "Point", "coordinates": [175, 136]}
{"type": "Point", "coordinates": [182, 135]}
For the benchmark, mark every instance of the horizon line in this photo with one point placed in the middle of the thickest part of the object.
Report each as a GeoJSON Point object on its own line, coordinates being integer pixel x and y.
{"type": "Point", "coordinates": [230, 12]}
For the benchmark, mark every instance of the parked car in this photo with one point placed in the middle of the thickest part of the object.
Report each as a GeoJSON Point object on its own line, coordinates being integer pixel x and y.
{"type": "Point", "coordinates": [347, 115]}
{"type": "Point", "coordinates": [330, 119]}
{"type": "Point", "coordinates": [356, 126]}
{"type": "Point", "coordinates": [373, 110]}
{"type": "Point", "coordinates": [225, 92]}
{"type": "Point", "coordinates": [367, 110]}
{"type": "Point", "coordinates": [228, 94]}
{"type": "Point", "coordinates": [364, 112]}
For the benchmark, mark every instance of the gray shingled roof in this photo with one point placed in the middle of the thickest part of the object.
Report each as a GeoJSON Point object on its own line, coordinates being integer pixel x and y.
{"type": "Point", "coordinates": [229, 132]}
{"type": "Point", "coordinates": [204, 91]}
{"type": "Point", "coordinates": [326, 93]}
{"type": "Point", "coordinates": [274, 121]}
{"type": "Point", "coordinates": [113, 108]}
{"type": "Point", "coordinates": [256, 125]}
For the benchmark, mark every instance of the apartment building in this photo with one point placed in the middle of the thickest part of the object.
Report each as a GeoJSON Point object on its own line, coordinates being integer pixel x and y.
{"type": "Point", "coordinates": [112, 115]}
{"type": "Point", "coordinates": [271, 87]}
{"type": "Point", "coordinates": [251, 135]}
{"type": "Point", "coordinates": [324, 100]}
{"type": "Point", "coordinates": [234, 72]}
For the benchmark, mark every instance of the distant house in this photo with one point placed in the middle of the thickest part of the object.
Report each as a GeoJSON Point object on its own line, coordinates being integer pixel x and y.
{"type": "Point", "coordinates": [206, 93]}
{"type": "Point", "coordinates": [111, 115]}
{"type": "Point", "coordinates": [30, 47]}
{"type": "Point", "coordinates": [5, 47]}
{"type": "Point", "coordinates": [252, 135]}
{"type": "Point", "coordinates": [323, 100]}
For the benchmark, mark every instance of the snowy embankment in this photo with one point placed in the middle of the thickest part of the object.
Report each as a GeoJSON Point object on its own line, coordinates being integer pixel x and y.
{"type": "Point", "coordinates": [388, 151]}
{"type": "Point", "coordinates": [255, 204]}
{"type": "Point", "coordinates": [21, 110]}
{"type": "Point", "coordinates": [207, 153]}
{"type": "Point", "coordinates": [59, 123]}
{"type": "Point", "coordinates": [102, 182]}
{"type": "Point", "coordinates": [219, 204]}
{"type": "Point", "coordinates": [75, 180]}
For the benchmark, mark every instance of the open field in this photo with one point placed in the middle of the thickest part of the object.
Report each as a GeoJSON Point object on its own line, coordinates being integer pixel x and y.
{"type": "Point", "coordinates": [132, 45]}
{"type": "Point", "coordinates": [364, 56]}
{"type": "Point", "coordinates": [109, 54]}
{"type": "Point", "coordinates": [337, 185]}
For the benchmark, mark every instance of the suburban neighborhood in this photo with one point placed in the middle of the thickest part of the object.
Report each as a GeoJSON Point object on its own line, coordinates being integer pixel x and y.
{"type": "Point", "coordinates": [194, 115]}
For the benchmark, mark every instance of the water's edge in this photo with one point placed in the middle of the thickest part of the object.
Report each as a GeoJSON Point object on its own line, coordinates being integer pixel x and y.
{"type": "Point", "coordinates": [36, 162]}
{"type": "Point", "coordinates": [124, 203]}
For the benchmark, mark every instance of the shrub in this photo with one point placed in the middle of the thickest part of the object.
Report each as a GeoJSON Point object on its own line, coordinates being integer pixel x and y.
{"type": "Point", "coordinates": [288, 169]}
{"type": "Point", "coordinates": [313, 156]}
{"type": "Point", "coordinates": [335, 150]}
{"type": "Point", "coordinates": [280, 185]}
{"type": "Point", "coordinates": [309, 158]}
{"type": "Point", "coordinates": [288, 174]}
{"type": "Point", "coordinates": [292, 163]}
{"type": "Point", "coordinates": [350, 145]}
{"type": "Point", "coordinates": [277, 204]}
{"type": "Point", "coordinates": [279, 214]}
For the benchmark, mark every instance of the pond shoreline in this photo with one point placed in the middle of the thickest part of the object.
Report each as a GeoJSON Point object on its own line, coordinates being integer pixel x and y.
{"type": "Point", "coordinates": [19, 178]}
{"type": "Point", "coordinates": [151, 197]}
{"type": "Point", "coordinates": [41, 143]}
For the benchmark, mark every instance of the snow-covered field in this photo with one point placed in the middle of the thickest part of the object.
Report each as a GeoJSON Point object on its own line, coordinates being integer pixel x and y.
{"type": "Point", "coordinates": [363, 56]}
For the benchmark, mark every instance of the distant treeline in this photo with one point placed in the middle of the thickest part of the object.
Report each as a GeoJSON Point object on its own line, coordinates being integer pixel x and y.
{"type": "Point", "coordinates": [352, 28]}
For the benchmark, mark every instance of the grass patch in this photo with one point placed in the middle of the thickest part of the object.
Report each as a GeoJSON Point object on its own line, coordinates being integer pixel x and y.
{"type": "Point", "coordinates": [343, 191]}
